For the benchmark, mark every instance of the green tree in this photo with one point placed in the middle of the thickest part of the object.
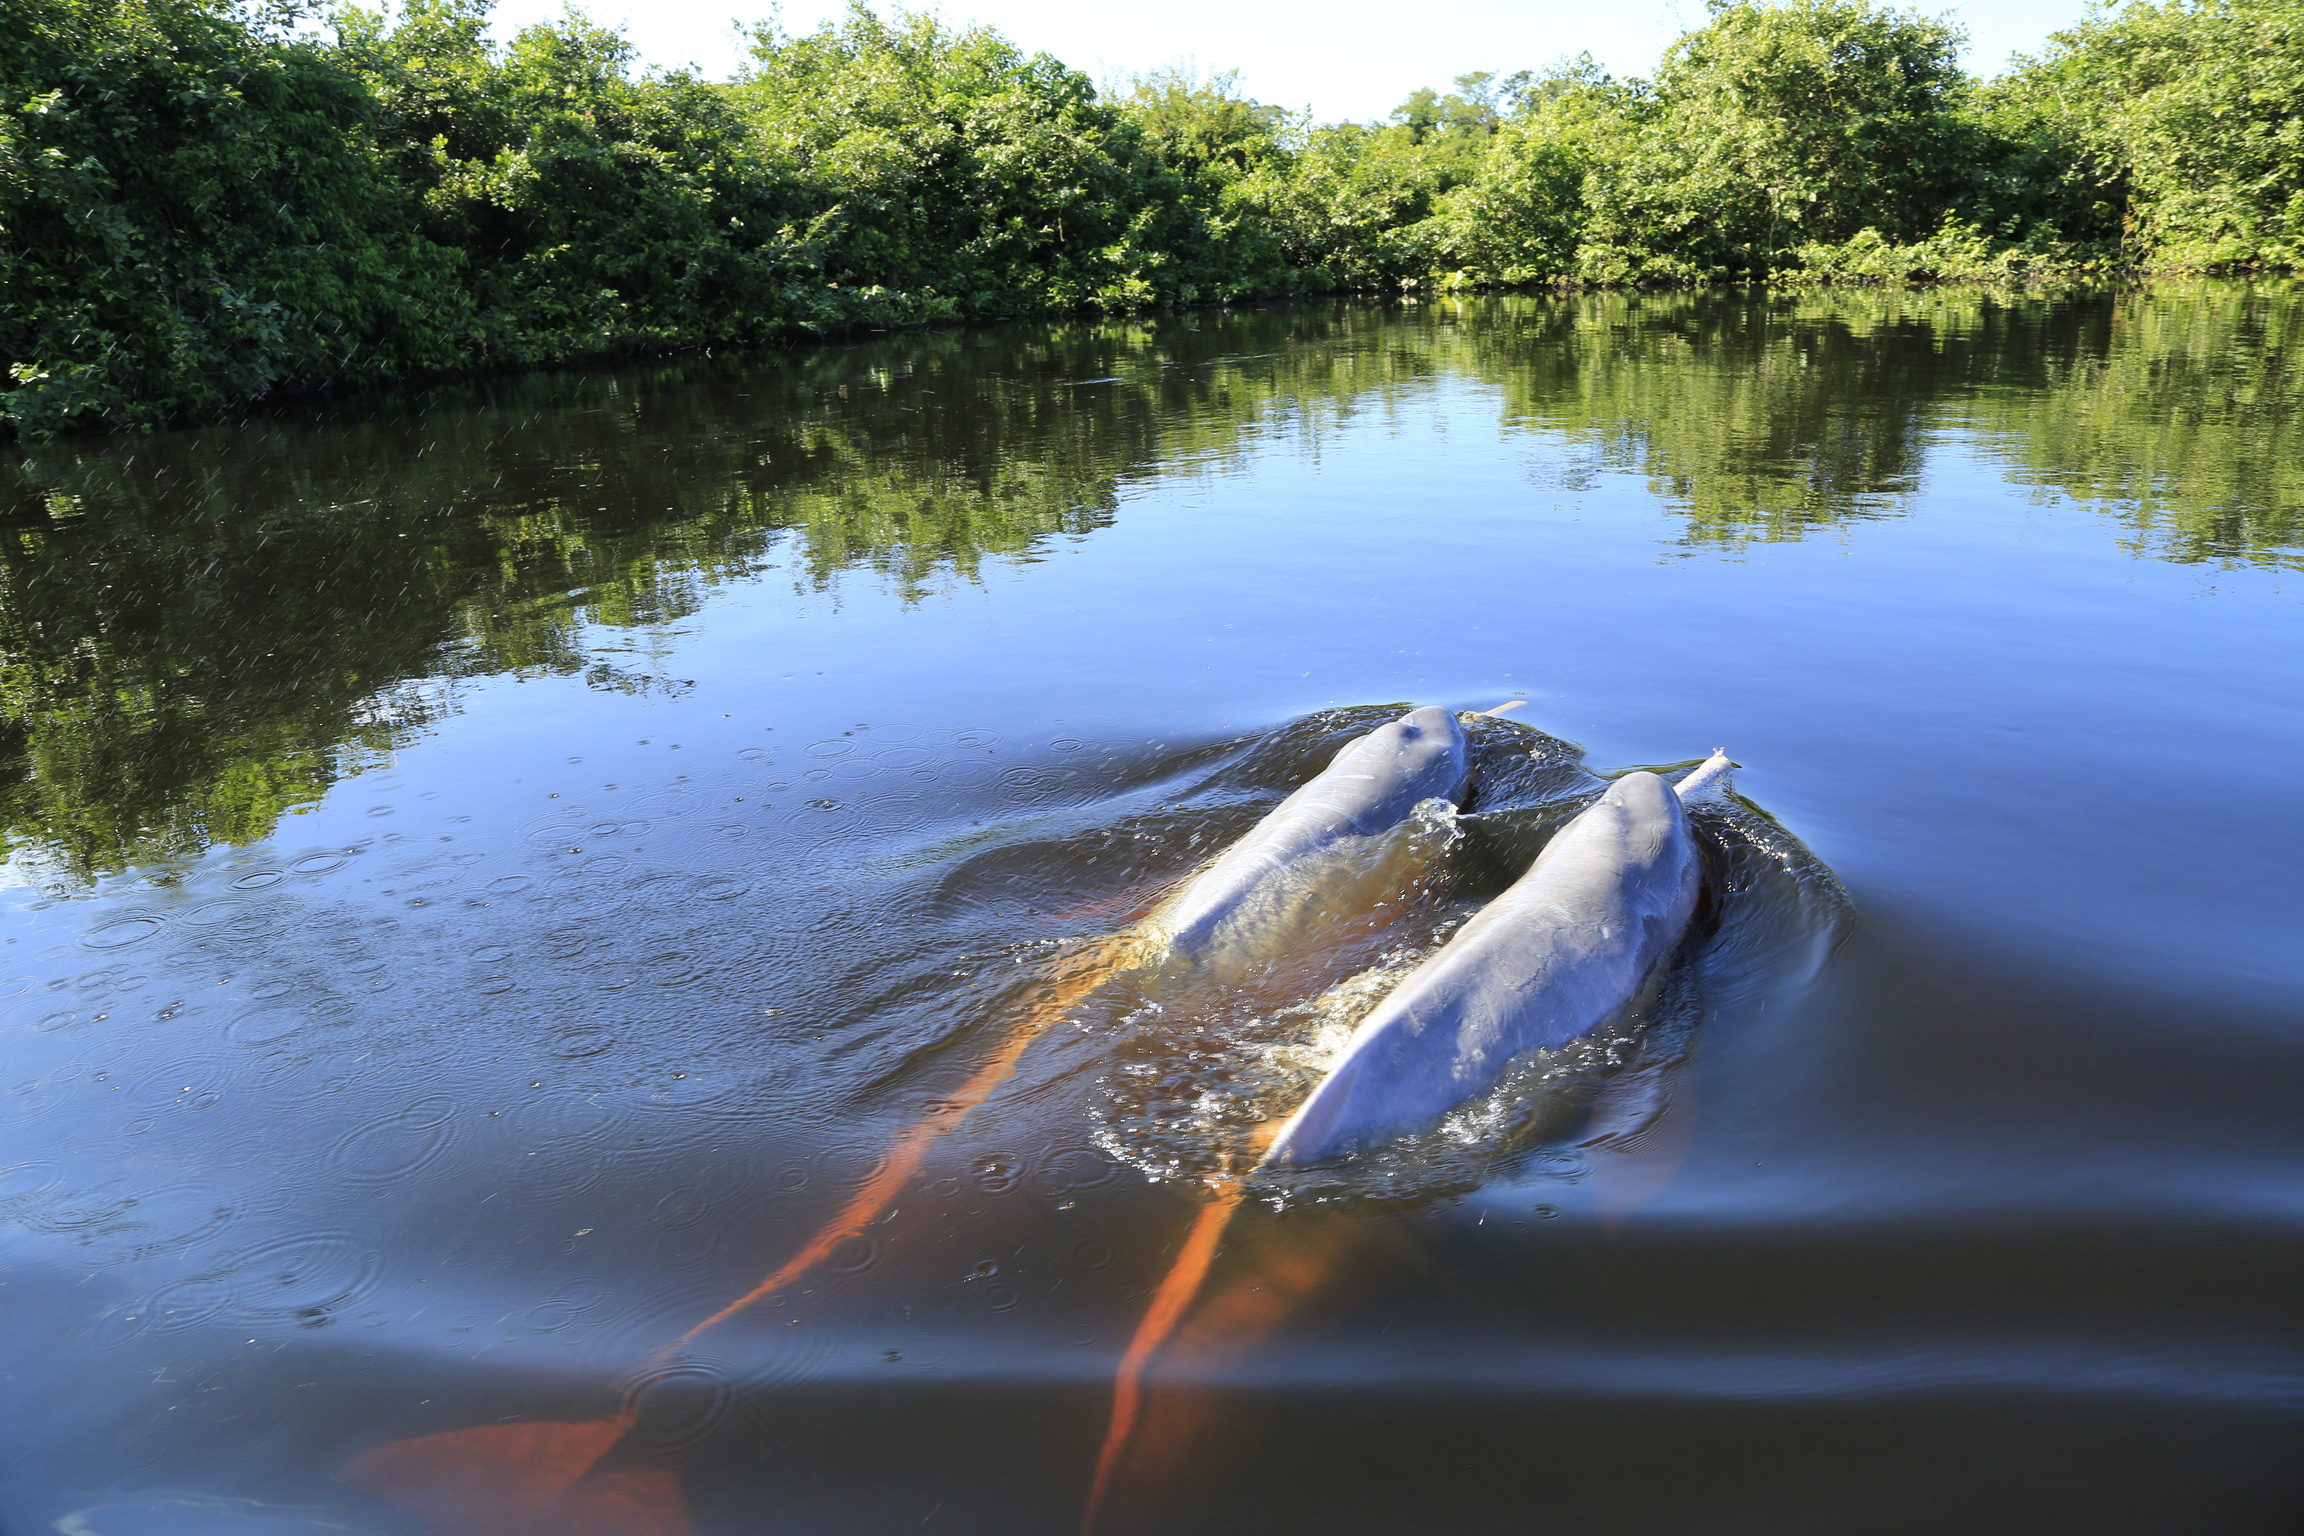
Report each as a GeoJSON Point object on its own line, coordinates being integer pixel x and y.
{"type": "Point", "coordinates": [1458, 125]}
{"type": "Point", "coordinates": [595, 211]}
{"type": "Point", "coordinates": [2177, 129]}
{"type": "Point", "coordinates": [191, 218]}
{"type": "Point", "coordinates": [948, 165]}
{"type": "Point", "coordinates": [202, 208]}
{"type": "Point", "coordinates": [1781, 126]}
{"type": "Point", "coordinates": [1522, 219]}
{"type": "Point", "coordinates": [1204, 126]}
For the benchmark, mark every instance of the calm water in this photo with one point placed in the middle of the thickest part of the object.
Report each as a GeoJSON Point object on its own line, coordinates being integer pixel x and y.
{"type": "Point", "coordinates": [490, 876]}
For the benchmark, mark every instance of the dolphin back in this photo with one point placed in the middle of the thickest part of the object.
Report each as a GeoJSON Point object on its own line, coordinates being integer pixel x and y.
{"type": "Point", "coordinates": [1368, 788]}
{"type": "Point", "coordinates": [1572, 943]}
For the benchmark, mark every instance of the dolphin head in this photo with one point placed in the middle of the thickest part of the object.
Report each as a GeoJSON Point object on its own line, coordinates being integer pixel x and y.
{"type": "Point", "coordinates": [1423, 754]}
{"type": "Point", "coordinates": [1430, 720]}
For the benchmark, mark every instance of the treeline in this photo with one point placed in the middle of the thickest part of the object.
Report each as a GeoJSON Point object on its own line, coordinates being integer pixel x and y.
{"type": "Point", "coordinates": [204, 206]}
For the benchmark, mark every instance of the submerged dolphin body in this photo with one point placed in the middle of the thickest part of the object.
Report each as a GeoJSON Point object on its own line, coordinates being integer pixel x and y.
{"type": "Point", "coordinates": [1371, 786]}
{"type": "Point", "coordinates": [1573, 942]}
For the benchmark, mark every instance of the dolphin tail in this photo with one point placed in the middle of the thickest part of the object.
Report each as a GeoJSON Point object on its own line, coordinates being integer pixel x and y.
{"type": "Point", "coordinates": [542, 1479]}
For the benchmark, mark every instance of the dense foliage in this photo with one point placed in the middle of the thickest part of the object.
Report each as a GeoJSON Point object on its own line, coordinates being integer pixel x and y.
{"type": "Point", "coordinates": [203, 205]}
{"type": "Point", "coordinates": [2177, 129]}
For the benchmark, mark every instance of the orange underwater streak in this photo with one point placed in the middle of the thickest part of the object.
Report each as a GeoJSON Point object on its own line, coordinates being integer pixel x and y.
{"type": "Point", "coordinates": [1222, 1327]}
{"type": "Point", "coordinates": [1177, 1288]}
{"type": "Point", "coordinates": [1176, 1291]}
{"type": "Point", "coordinates": [539, 1479]}
{"type": "Point", "coordinates": [911, 1147]}
{"type": "Point", "coordinates": [524, 1480]}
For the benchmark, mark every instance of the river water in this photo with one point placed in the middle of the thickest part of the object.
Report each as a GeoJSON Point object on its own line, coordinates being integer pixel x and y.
{"type": "Point", "coordinates": [493, 874]}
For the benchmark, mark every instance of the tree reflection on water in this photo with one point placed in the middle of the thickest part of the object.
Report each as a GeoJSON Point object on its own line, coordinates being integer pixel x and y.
{"type": "Point", "coordinates": [201, 631]}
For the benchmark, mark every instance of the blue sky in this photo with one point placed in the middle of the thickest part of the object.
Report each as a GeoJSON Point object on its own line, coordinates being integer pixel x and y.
{"type": "Point", "coordinates": [1342, 58]}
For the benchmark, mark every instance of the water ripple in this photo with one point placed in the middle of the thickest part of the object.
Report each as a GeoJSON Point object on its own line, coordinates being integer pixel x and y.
{"type": "Point", "coordinates": [679, 1406]}
{"type": "Point", "coordinates": [395, 1146]}
{"type": "Point", "coordinates": [122, 931]}
{"type": "Point", "coordinates": [309, 1279]}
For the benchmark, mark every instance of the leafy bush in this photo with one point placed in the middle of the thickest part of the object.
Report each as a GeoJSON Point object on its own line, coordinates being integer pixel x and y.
{"type": "Point", "coordinates": [1523, 219]}
{"type": "Point", "coordinates": [1776, 128]}
{"type": "Point", "coordinates": [950, 166]}
{"type": "Point", "coordinates": [192, 216]}
{"type": "Point", "coordinates": [592, 211]}
{"type": "Point", "coordinates": [2176, 128]}
{"type": "Point", "coordinates": [201, 209]}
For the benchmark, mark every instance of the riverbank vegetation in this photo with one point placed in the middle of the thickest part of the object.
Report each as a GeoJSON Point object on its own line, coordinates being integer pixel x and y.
{"type": "Point", "coordinates": [205, 206]}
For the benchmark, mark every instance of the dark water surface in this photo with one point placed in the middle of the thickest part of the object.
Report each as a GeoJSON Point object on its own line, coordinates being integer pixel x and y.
{"type": "Point", "coordinates": [490, 876]}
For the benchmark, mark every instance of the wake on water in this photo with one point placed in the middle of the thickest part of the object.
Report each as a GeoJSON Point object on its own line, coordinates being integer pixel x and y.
{"type": "Point", "coordinates": [1201, 1070]}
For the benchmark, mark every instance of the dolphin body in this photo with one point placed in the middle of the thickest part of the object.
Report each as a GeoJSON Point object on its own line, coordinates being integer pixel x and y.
{"type": "Point", "coordinates": [1573, 942]}
{"type": "Point", "coordinates": [1370, 787]}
